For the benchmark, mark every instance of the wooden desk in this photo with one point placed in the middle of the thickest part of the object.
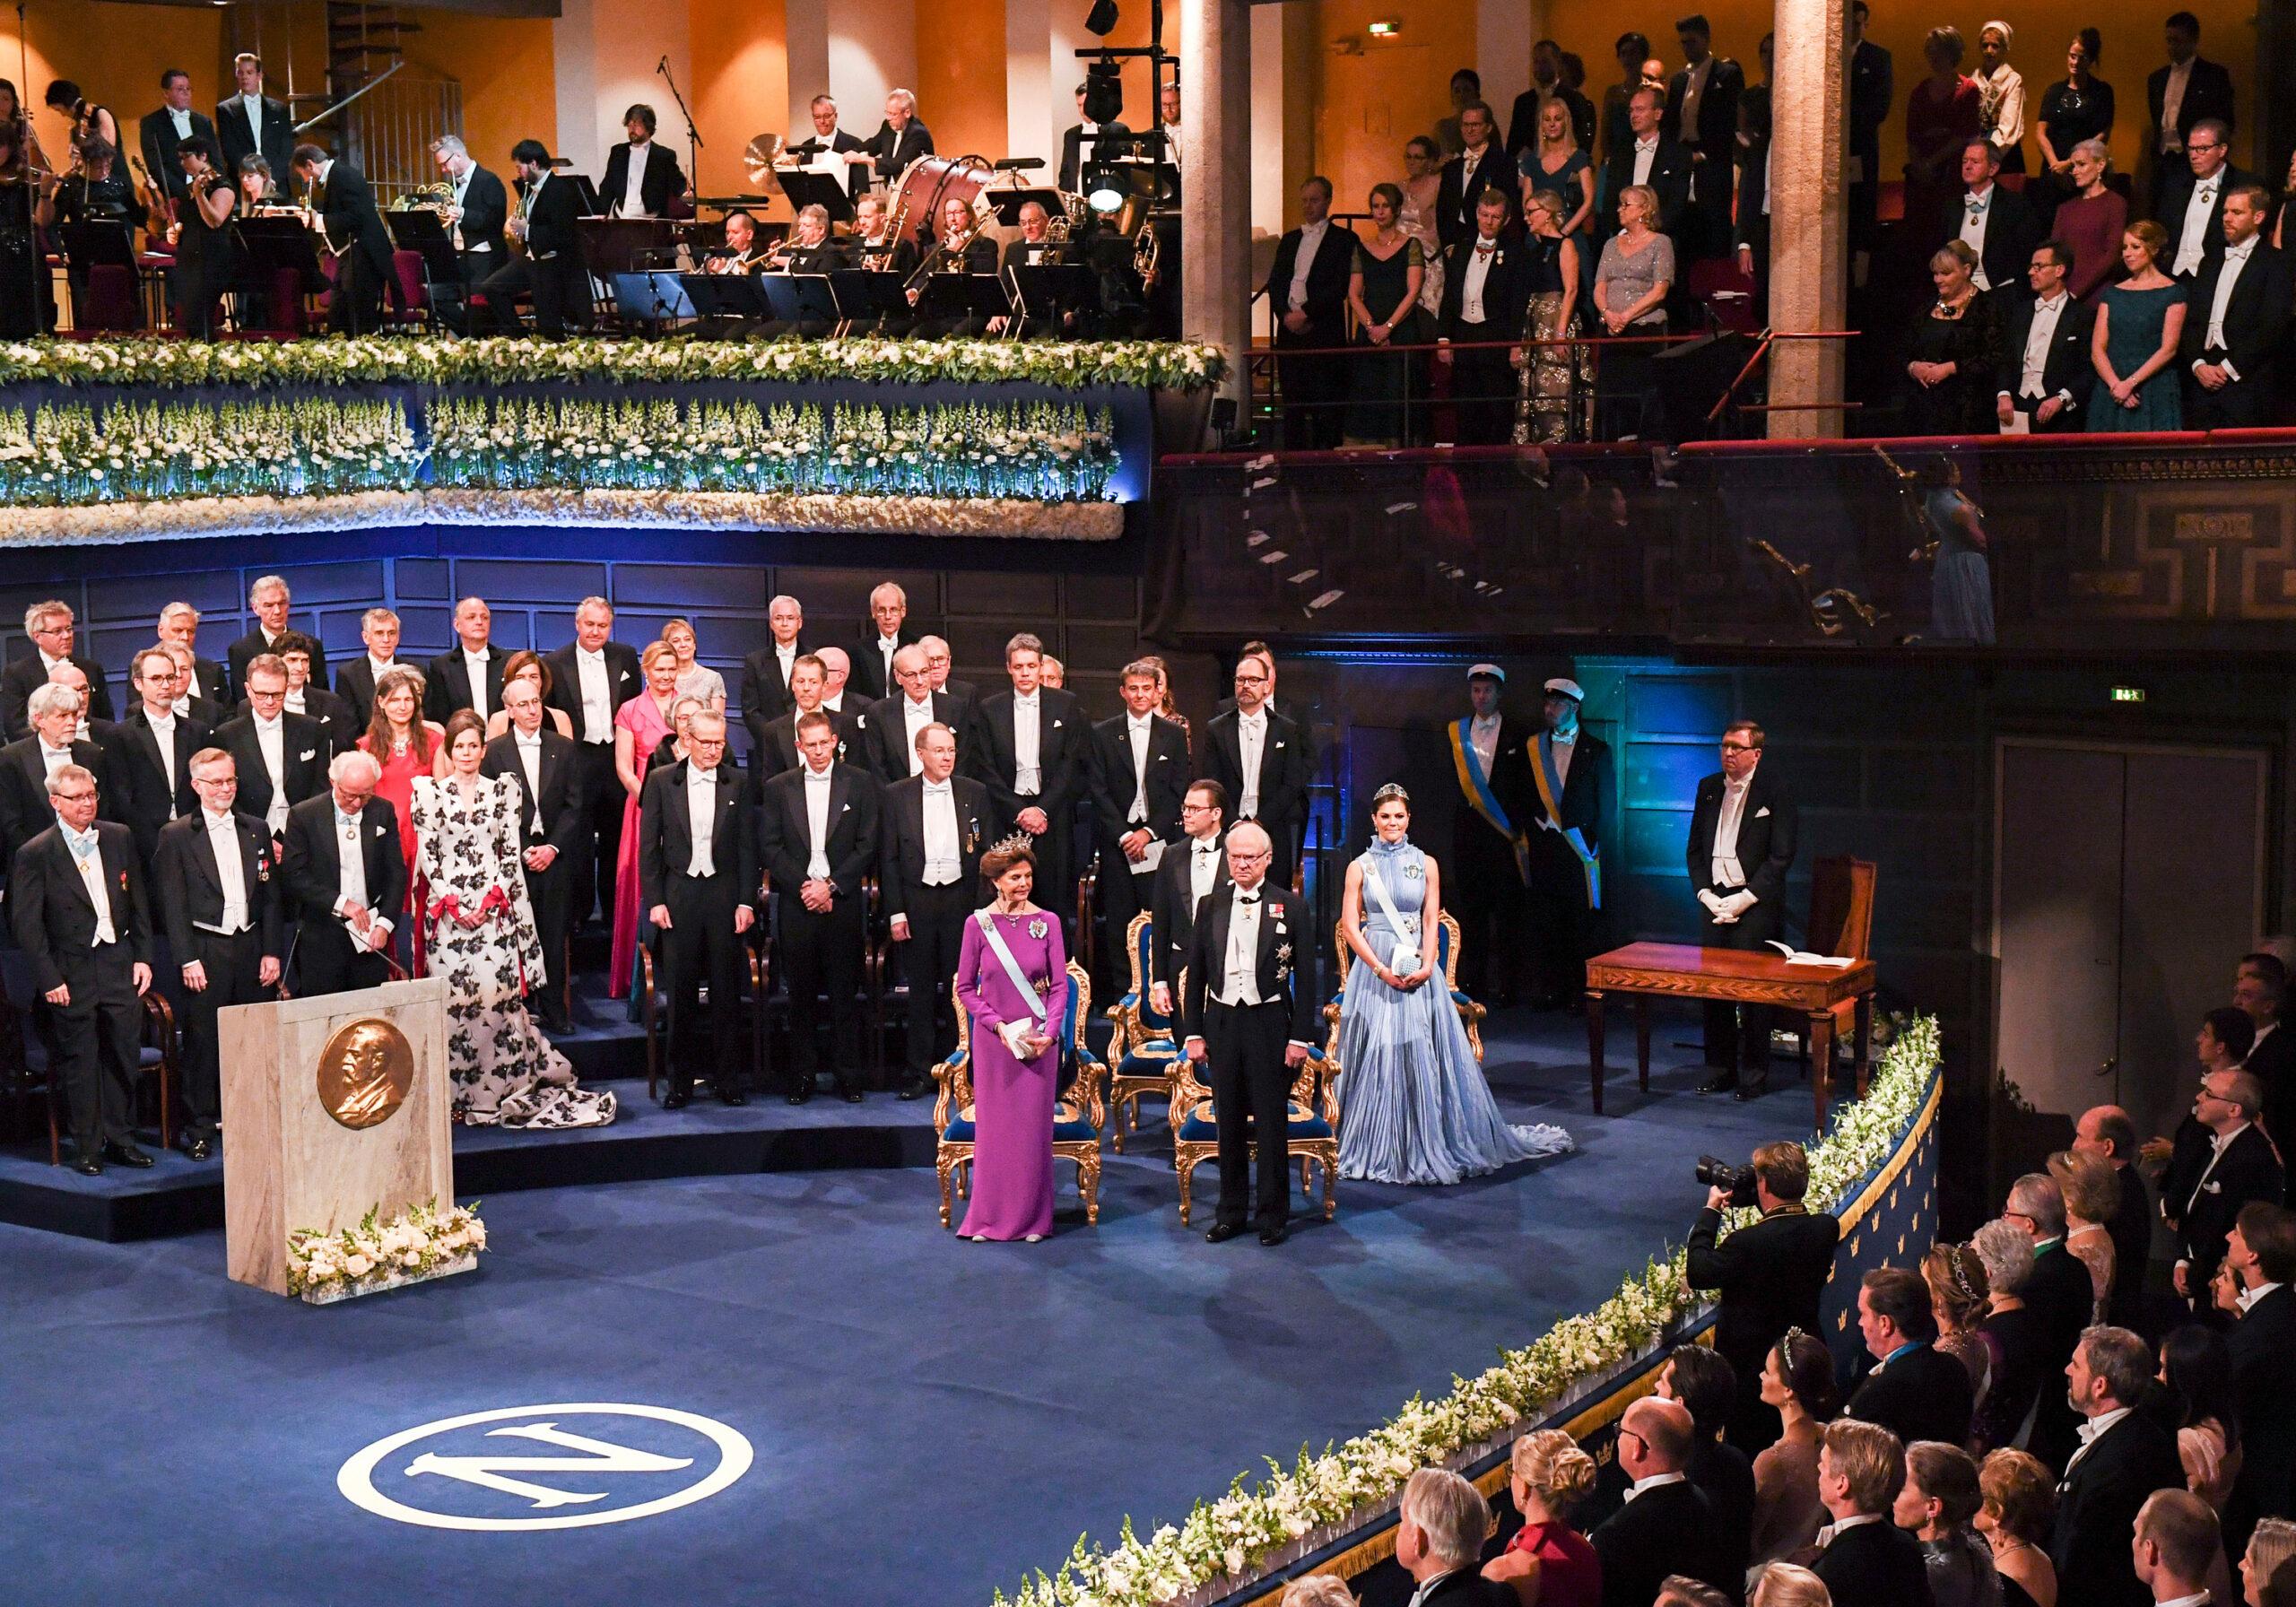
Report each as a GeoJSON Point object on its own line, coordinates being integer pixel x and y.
{"type": "Point", "coordinates": [1732, 975]}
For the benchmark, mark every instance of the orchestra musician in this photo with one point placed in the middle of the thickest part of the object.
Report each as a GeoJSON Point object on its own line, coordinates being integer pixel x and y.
{"type": "Point", "coordinates": [901, 141]}
{"type": "Point", "coordinates": [1073, 141]}
{"type": "Point", "coordinates": [873, 244]}
{"type": "Point", "coordinates": [344, 212]}
{"type": "Point", "coordinates": [552, 268]}
{"type": "Point", "coordinates": [1033, 246]}
{"type": "Point", "coordinates": [251, 122]}
{"type": "Point", "coordinates": [476, 209]}
{"type": "Point", "coordinates": [89, 120]}
{"type": "Point", "coordinates": [809, 249]}
{"type": "Point", "coordinates": [740, 253]}
{"type": "Point", "coordinates": [205, 248]}
{"type": "Point", "coordinates": [643, 179]}
{"type": "Point", "coordinates": [162, 131]}
{"type": "Point", "coordinates": [99, 192]}
{"type": "Point", "coordinates": [260, 186]}
{"type": "Point", "coordinates": [838, 146]}
{"type": "Point", "coordinates": [25, 299]}
{"type": "Point", "coordinates": [958, 247]}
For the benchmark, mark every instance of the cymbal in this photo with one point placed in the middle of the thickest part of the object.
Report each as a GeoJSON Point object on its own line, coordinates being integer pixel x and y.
{"type": "Point", "coordinates": [760, 154]}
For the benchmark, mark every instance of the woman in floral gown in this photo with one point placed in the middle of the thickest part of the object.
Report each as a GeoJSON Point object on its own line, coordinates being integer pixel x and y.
{"type": "Point", "coordinates": [480, 928]}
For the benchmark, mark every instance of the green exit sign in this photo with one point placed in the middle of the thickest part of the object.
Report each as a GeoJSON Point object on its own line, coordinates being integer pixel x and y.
{"type": "Point", "coordinates": [2128, 694]}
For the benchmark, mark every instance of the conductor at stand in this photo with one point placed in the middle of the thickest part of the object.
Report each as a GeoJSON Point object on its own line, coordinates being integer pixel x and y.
{"type": "Point", "coordinates": [1740, 845]}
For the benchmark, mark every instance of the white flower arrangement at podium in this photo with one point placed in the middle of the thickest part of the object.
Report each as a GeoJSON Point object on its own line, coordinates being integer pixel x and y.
{"type": "Point", "coordinates": [1225, 1544]}
{"type": "Point", "coordinates": [422, 1243]}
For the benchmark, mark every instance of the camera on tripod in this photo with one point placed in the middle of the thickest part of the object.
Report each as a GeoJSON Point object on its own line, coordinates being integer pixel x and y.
{"type": "Point", "coordinates": [1736, 1181]}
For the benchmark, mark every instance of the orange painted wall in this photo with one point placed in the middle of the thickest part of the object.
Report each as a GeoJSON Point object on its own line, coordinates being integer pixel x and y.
{"type": "Point", "coordinates": [508, 84]}
{"type": "Point", "coordinates": [741, 84]}
{"type": "Point", "coordinates": [1371, 95]}
{"type": "Point", "coordinates": [115, 54]}
{"type": "Point", "coordinates": [960, 75]}
{"type": "Point", "coordinates": [2131, 30]}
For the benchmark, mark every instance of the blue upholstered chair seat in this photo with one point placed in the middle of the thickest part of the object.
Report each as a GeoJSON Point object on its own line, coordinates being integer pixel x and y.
{"type": "Point", "coordinates": [1068, 1126]}
{"type": "Point", "coordinates": [1151, 1059]}
{"type": "Point", "coordinates": [1202, 1124]}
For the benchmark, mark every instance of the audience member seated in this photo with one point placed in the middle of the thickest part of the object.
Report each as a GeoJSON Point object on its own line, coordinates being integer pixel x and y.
{"type": "Point", "coordinates": [2017, 1517]}
{"type": "Point", "coordinates": [1863, 1558]}
{"type": "Point", "coordinates": [1439, 1532]}
{"type": "Point", "coordinates": [1667, 1526]}
{"type": "Point", "coordinates": [1549, 1563]}
{"type": "Point", "coordinates": [1914, 1390]}
{"type": "Point", "coordinates": [1317, 1590]}
{"type": "Point", "coordinates": [1798, 1383]}
{"type": "Point", "coordinates": [1939, 1499]}
{"type": "Point", "coordinates": [2124, 1457]}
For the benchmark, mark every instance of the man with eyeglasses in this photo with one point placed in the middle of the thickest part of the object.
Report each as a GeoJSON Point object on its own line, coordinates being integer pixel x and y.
{"type": "Point", "coordinates": [698, 883]}
{"type": "Point", "coordinates": [1194, 871]}
{"type": "Point", "coordinates": [2192, 202]}
{"type": "Point", "coordinates": [347, 878]}
{"type": "Point", "coordinates": [1244, 1026]}
{"type": "Point", "coordinates": [50, 626]}
{"type": "Point", "coordinates": [1741, 841]}
{"type": "Point", "coordinates": [2240, 1167]}
{"type": "Point", "coordinates": [2062, 1299]}
{"type": "Point", "coordinates": [27, 767]}
{"type": "Point", "coordinates": [281, 756]}
{"type": "Point", "coordinates": [220, 898]}
{"type": "Point", "coordinates": [76, 904]}
{"type": "Point", "coordinates": [1263, 761]}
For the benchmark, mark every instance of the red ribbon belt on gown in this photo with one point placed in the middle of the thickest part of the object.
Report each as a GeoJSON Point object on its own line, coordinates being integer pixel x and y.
{"type": "Point", "coordinates": [450, 908]}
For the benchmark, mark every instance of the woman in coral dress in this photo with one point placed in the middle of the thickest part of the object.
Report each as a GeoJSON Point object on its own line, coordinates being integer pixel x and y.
{"type": "Point", "coordinates": [1015, 1048]}
{"type": "Point", "coordinates": [640, 725]}
{"type": "Point", "coordinates": [406, 745]}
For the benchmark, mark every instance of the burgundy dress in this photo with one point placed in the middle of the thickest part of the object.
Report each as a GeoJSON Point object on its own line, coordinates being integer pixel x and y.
{"type": "Point", "coordinates": [1013, 1099]}
{"type": "Point", "coordinates": [1570, 1573]}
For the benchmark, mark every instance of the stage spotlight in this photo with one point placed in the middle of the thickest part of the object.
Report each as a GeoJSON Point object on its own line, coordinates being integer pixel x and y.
{"type": "Point", "coordinates": [1100, 21]}
{"type": "Point", "coordinates": [1104, 89]}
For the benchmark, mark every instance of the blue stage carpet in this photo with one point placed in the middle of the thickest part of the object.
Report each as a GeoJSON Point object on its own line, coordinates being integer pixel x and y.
{"type": "Point", "coordinates": [931, 1418]}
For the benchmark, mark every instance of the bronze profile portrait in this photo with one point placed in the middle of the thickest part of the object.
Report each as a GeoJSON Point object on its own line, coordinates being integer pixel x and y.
{"type": "Point", "coordinates": [365, 1071]}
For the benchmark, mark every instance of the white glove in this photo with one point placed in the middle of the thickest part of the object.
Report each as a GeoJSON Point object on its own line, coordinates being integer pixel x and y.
{"type": "Point", "coordinates": [1712, 900]}
{"type": "Point", "coordinates": [1737, 903]}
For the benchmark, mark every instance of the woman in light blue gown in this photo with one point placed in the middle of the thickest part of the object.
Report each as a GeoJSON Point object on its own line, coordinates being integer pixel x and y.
{"type": "Point", "coordinates": [1413, 1105]}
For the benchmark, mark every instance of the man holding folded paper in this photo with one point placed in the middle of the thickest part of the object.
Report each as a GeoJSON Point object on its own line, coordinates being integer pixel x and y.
{"type": "Point", "coordinates": [1741, 846]}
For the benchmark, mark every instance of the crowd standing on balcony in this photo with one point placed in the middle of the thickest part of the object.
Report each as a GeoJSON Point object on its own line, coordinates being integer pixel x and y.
{"type": "Point", "coordinates": [2024, 284]}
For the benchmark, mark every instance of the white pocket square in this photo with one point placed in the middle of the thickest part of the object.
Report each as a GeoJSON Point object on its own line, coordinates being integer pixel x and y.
{"type": "Point", "coordinates": [1761, 812]}
{"type": "Point", "coordinates": [307, 755]}
{"type": "Point", "coordinates": [379, 831]}
{"type": "Point", "coordinates": [2212, 1187]}
{"type": "Point", "coordinates": [1279, 744]}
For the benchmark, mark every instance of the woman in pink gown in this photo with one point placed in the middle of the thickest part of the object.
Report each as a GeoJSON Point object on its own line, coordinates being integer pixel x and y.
{"type": "Point", "coordinates": [640, 725]}
{"type": "Point", "coordinates": [406, 745]}
{"type": "Point", "coordinates": [1016, 1052]}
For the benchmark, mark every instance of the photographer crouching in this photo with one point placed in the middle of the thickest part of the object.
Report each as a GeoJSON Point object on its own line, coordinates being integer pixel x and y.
{"type": "Point", "coordinates": [1770, 1275]}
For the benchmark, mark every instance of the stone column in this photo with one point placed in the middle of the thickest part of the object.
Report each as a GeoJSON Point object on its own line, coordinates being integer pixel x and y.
{"type": "Point", "coordinates": [1215, 156]}
{"type": "Point", "coordinates": [1809, 245]}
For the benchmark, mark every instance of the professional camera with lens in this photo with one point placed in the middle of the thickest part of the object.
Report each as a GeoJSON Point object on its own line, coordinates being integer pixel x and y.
{"type": "Point", "coordinates": [1736, 1181]}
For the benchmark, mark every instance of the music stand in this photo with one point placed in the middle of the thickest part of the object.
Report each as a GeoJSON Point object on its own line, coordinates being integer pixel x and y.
{"type": "Point", "coordinates": [424, 232]}
{"type": "Point", "coordinates": [281, 245]}
{"type": "Point", "coordinates": [862, 293]}
{"type": "Point", "coordinates": [1055, 288]}
{"type": "Point", "coordinates": [799, 297]}
{"type": "Point", "coordinates": [826, 190]}
{"type": "Point", "coordinates": [652, 297]}
{"type": "Point", "coordinates": [100, 243]}
{"type": "Point", "coordinates": [591, 207]}
{"type": "Point", "coordinates": [720, 302]}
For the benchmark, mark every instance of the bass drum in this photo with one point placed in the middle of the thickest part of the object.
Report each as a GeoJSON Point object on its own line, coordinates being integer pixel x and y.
{"type": "Point", "coordinates": [928, 183]}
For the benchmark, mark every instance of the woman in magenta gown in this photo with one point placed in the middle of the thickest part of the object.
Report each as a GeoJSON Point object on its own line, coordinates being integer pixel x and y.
{"type": "Point", "coordinates": [640, 725]}
{"type": "Point", "coordinates": [1016, 1052]}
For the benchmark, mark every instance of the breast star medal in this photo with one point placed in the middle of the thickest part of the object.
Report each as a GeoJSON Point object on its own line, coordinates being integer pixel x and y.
{"type": "Point", "coordinates": [1038, 929]}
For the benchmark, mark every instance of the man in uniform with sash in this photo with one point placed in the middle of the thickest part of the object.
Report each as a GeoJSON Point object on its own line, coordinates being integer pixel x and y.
{"type": "Point", "coordinates": [1490, 859]}
{"type": "Point", "coordinates": [1573, 780]}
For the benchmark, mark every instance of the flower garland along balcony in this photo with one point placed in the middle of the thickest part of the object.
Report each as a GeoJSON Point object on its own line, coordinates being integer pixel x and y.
{"type": "Point", "coordinates": [132, 440]}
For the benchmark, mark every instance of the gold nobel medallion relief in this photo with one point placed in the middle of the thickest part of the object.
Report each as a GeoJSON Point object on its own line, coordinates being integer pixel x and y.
{"type": "Point", "coordinates": [365, 1071]}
